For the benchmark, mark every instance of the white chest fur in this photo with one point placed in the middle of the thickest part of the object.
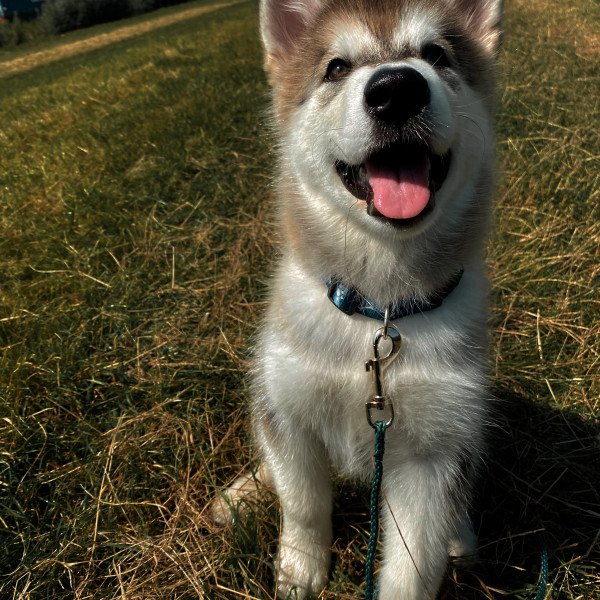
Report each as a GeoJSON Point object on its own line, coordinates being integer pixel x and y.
{"type": "Point", "coordinates": [312, 370]}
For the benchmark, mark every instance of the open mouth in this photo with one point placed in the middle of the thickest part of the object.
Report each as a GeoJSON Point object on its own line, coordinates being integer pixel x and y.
{"type": "Point", "coordinates": [398, 182]}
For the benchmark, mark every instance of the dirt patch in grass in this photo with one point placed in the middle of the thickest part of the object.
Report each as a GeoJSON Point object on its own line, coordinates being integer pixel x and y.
{"type": "Point", "coordinates": [43, 57]}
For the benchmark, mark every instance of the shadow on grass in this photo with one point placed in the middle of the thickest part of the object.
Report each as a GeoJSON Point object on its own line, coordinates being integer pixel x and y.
{"type": "Point", "coordinates": [539, 490]}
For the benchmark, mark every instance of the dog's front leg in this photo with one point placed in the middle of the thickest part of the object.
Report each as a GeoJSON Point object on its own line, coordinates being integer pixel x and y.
{"type": "Point", "coordinates": [299, 471]}
{"type": "Point", "coordinates": [419, 517]}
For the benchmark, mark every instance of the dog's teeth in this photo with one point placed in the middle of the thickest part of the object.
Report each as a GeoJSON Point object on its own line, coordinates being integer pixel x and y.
{"type": "Point", "coordinates": [362, 172]}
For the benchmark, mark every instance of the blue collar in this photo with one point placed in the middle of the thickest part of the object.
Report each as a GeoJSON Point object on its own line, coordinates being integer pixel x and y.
{"type": "Point", "coordinates": [351, 301]}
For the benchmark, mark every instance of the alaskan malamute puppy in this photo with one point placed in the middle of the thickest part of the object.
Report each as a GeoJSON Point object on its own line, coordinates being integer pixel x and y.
{"type": "Point", "coordinates": [384, 115]}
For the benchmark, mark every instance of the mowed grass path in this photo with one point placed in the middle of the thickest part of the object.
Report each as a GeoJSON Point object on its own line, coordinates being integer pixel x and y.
{"type": "Point", "coordinates": [75, 44]}
{"type": "Point", "coordinates": [135, 250]}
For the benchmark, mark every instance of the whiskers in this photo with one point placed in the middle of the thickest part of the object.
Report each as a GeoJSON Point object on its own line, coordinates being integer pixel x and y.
{"type": "Point", "coordinates": [481, 137]}
{"type": "Point", "coordinates": [317, 156]}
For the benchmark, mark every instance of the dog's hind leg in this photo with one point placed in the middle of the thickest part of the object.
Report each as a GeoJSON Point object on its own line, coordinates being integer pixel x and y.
{"type": "Point", "coordinates": [244, 491]}
{"type": "Point", "coordinates": [463, 545]}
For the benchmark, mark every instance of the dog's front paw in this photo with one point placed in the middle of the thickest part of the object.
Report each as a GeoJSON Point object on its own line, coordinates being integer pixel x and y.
{"type": "Point", "coordinates": [301, 570]}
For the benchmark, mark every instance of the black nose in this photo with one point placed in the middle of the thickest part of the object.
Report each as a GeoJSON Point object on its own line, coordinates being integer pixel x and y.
{"type": "Point", "coordinates": [395, 95]}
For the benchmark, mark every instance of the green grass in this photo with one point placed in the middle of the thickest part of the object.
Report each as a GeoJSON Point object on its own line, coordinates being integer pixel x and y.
{"type": "Point", "coordinates": [136, 243]}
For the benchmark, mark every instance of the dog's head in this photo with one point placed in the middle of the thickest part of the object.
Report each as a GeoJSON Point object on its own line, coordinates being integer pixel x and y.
{"type": "Point", "coordinates": [384, 106]}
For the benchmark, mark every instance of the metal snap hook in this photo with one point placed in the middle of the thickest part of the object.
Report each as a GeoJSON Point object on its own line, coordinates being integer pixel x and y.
{"type": "Point", "coordinates": [376, 366]}
{"type": "Point", "coordinates": [394, 339]}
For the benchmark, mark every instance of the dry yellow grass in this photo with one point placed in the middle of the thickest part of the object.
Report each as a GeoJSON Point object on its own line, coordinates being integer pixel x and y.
{"type": "Point", "coordinates": [136, 242]}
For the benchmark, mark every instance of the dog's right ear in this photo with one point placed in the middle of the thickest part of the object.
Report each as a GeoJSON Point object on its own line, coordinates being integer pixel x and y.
{"type": "Point", "coordinates": [484, 17]}
{"type": "Point", "coordinates": [282, 23]}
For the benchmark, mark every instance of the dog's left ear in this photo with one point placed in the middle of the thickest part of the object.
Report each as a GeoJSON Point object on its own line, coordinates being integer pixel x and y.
{"type": "Point", "coordinates": [484, 17]}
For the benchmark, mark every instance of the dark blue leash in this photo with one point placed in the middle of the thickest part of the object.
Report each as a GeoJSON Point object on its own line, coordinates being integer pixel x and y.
{"type": "Point", "coordinates": [350, 301]}
{"type": "Point", "coordinates": [543, 582]}
{"type": "Point", "coordinates": [380, 427]}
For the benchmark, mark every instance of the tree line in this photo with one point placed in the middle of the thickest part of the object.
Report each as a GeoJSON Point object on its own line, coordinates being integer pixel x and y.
{"type": "Point", "coordinates": [60, 16]}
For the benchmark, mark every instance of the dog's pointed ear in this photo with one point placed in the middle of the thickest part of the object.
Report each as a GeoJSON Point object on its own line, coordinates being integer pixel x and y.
{"type": "Point", "coordinates": [282, 23]}
{"type": "Point", "coordinates": [484, 17]}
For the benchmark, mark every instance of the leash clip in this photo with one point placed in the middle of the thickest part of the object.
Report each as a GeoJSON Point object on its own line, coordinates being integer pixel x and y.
{"type": "Point", "coordinates": [390, 336]}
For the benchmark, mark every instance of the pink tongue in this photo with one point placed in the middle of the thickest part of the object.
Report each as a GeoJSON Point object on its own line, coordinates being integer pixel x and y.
{"type": "Point", "coordinates": [400, 193]}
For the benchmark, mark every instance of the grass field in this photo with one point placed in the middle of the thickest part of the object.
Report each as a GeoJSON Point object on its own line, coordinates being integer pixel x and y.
{"type": "Point", "coordinates": [136, 245]}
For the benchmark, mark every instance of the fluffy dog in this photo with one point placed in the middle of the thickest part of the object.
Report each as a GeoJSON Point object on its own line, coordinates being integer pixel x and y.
{"type": "Point", "coordinates": [383, 111]}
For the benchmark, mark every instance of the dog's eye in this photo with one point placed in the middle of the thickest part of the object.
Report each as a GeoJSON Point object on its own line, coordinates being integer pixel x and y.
{"type": "Point", "coordinates": [435, 55]}
{"type": "Point", "coordinates": [336, 69]}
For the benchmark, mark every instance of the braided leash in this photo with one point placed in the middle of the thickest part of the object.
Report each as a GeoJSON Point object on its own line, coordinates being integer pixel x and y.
{"type": "Point", "coordinates": [380, 427]}
{"type": "Point", "coordinates": [378, 403]}
{"type": "Point", "coordinates": [378, 406]}
{"type": "Point", "coordinates": [543, 583]}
